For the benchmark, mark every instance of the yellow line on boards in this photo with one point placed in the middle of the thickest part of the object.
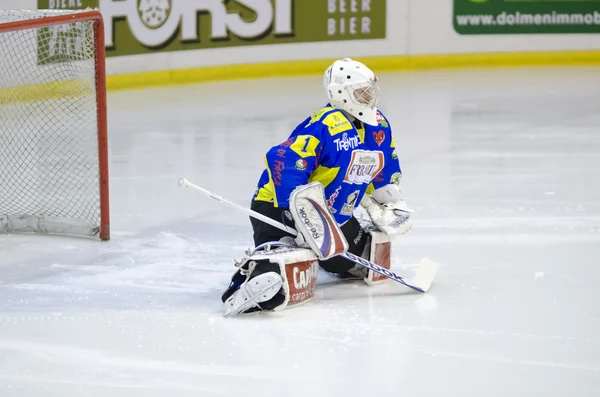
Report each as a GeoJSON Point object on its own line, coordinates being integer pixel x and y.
{"type": "Point", "coordinates": [45, 91]}
{"type": "Point", "coordinates": [506, 59]}
{"type": "Point", "coordinates": [54, 90]}
{"type": "Point", "coordinates": [379, 64]}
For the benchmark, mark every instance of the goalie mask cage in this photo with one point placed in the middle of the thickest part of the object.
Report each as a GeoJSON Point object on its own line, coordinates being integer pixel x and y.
{"type": "Point", "coordinates": [53, 130]}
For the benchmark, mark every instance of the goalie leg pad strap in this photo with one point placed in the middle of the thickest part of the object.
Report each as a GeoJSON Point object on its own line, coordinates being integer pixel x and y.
{"type": "Point", "coordinates": [292, 270]}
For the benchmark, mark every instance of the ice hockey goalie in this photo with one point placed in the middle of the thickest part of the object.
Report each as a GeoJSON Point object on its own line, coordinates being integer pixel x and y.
{"type": "Point", "coordinates": [341, 156]}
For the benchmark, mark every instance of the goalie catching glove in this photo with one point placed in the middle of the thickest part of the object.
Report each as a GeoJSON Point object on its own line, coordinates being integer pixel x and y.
{"type": "Point", "coordinates": [387, 210]}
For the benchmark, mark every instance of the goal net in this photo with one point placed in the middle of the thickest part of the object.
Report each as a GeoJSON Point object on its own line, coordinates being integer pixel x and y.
{"type": "Point", "coordinates": [53, 145]}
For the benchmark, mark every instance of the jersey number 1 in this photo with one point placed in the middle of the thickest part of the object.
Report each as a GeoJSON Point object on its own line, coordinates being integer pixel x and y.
{"type": "Point", "coordinates": [305, 144]}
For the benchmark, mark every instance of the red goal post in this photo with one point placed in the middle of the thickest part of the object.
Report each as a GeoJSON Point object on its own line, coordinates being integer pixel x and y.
{"type": "Point", "coordinates": [53, 123]}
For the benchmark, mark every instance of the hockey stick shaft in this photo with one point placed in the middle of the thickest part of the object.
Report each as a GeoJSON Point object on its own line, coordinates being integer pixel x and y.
{"type": "Point", "coordinates": [354, 258]}
{"type": "Point", "coordinates": [185, 183]}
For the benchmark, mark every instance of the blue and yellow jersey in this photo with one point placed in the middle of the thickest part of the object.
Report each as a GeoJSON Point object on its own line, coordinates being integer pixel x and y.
{"type": "Point", "coordinates": [327, 147]}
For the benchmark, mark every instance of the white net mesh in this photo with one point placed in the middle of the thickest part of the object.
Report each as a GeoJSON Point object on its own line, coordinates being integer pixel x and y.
{"type": "Point", "coordinates": [49, 162]}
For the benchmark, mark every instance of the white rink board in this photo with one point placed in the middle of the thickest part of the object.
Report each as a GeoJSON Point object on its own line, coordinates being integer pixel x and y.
{"type": "Point", "coordinates": [414, 27]}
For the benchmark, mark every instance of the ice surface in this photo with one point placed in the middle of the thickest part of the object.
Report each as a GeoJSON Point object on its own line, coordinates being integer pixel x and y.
{"type": "Point", "coordinates": [501, 166]}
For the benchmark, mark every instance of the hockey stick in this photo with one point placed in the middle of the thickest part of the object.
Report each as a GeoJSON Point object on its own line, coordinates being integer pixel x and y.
{"type": "Point", "coordinates": [425, 273]}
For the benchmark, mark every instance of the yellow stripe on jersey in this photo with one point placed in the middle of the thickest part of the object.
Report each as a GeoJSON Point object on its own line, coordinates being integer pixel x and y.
{"type": "Point", "coordinates": [370, 188]}
{"type": "Point", "coordinates": [361, 134]}
{"type": "Point", "coordinates": [267, 192]}
{"type": "Point", "coordinates": [264, 194]}
{"type": "Point", "coordinates": [337, 123]}
{"type": "Point", "coordinates": [393, 145]}
{"type": "Point", "coordinates": [316, 116]}
{"type": "Point", "coordinates": [324, 175]}
{"type": "Point", "coordinates": [305, 145]}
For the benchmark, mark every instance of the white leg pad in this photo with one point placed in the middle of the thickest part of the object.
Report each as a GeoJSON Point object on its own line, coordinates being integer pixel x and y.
{"type": "Point", "coordinates": [301, 279]}
{"type": "Point", "coordinates": [298, 271]}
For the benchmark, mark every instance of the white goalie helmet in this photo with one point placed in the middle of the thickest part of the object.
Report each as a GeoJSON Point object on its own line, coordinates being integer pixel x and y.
{"type": "Point", "coordinates": [352, 87]}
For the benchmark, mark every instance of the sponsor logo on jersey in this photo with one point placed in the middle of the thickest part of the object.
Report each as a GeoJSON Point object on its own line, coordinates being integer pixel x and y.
{"type": "Point", "coordinates": [367, 160]}
{"type": "Point", "coordinates": [283, 148]}
{"type": "Point", "coordinates": [381, 120]}
{"type": "Point", "coordinates": [332, 198]}
{"type": "Point", "coordinates": [394, 155]}
{"type": "Point", "coordinates": [278, 167]}
{"type": "Point", "coordinates": [364, 166]}
{"type": "Point", "coordinates": [395, 179]}
{"type": "Point", "coordinates": [348, 208]}
{"type": "Point", "coordinates": [379, 137]}
{"type": "Point", "coordinates": [337, 123]}
{"type": "Point", "coordinates": [346, 143]}
{"type": "Point", "coordinates": [301, 164]}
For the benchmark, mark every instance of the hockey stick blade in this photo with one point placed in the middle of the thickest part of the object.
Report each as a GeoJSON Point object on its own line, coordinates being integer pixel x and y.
{"type": "Point", "coordinates": [425, 273]}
